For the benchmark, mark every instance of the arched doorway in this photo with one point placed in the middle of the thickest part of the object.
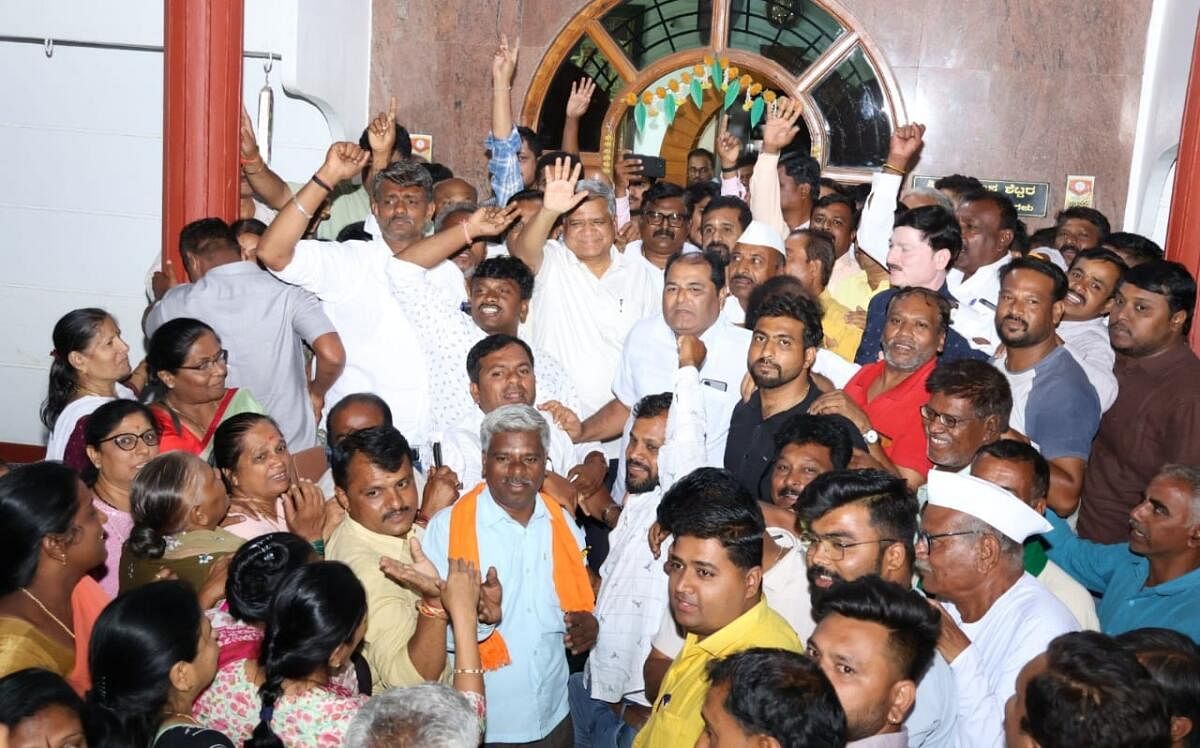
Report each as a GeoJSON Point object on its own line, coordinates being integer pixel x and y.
{"type": "Point", "coordinates": [813, 50]}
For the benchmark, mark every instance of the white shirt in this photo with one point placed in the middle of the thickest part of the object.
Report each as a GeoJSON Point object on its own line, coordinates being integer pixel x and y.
{"type": "Point", "coordinates": [583, 320]}
{"type": "Point", "coordinates": [445, 275]}
{"type": "Point", "coordinates": [732, 311]}
{"type": "Point", "coordinates": [975, 316]}
{"type": "Point", "coordinates": [462, 450]}
{"type": "Point", "coordinates": [383, 353]}
{"type": "Point", "coordinates": [1017, 628]}
{"type": "Point", "coordinates": [633, 250]}
{"type": "Point", "coordinates": [1089, 344]}
{"type": "Point", "coordinates": [1072, 594]}
{"type": "Point", "coordinates": [64, 425]}
{"type": "Point", "coordinates": [879, 216]}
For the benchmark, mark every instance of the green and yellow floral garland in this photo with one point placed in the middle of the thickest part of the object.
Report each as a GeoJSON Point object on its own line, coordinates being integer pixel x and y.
{"type": "Point", "coordinates": [690, 86]}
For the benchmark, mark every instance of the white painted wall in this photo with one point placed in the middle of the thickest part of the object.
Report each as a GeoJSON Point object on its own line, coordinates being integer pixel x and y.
{"type": "Point", "coordinates": [81, 152]}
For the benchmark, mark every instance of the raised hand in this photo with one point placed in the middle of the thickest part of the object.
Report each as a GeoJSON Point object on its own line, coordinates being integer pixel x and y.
{"type": "Point", "coordinates": [491, 221]}
{"type": "Point", "coordinates": [460, 594]}
{"type": "Point", "coordinates": [729, 147]}
{"type": "Point", "coordinates": [581, 97]}
{"type": "Point", "coordinates": [630, 232]}
{"type": "Point", "coordinates": [504, 62]}
{"type": "Point", "coordinates": [441, 490]}
{"type": "Point", "coordinates": [420, 576]}
{"type": "Point", "coordinates": [625, 171]}
{"type": "Point", "coordinates": [247, 140]}
{"type": "Point", "coordinates": [304, 510]}
{"type": "Point", "coordinates": [343, 161]}
{"type": "Point", "coordinates": [905, 145]}
{"type": "Point", "coordinates": [781, 127]}
{"type": "Point", "coordinates": [564, 418]}
{"type": "Point", "coordinates": [839, 403]}
{"type": "Point", "coordinates": [559, 195]}
{"type": "Point", "coordinates": [691, 351]}
{"type": "Point", "coordinates": [381, 133]}
{"type": "Point", "coordinates": [491, 595]}
{"type": "Point", "coordinates": [588, 476]}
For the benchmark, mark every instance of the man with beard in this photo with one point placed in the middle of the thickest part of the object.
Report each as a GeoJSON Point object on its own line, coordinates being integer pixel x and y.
{"type": "Point", "coordinates": [725, 219]}
{"type": "Point", "coordinates": [701, 166]}
{"type": "Point", "coordinates": [1156, 417]}
{"type": "Point", "coordinates": [858, 523]}
{"type": "Point", "coordinates": [995, 616]}
{"type": "Point", "coordinates": [884, 399]}
{"type": "Point", "coordinates": [664, 228]}
{"type": "Point", "coordinates": [1077, 229]}
{"type": "Point", "coordinates": [1054, 404]}
{"type": "Point", "coordinates": [969, 406]}
{"type": "Point", "coordinates": [1091, 286]}
{"type": "Point", "coordinates": [806, 447]}
{"type": "Point", "coordinates": [759, 254]}
{"type": "Point", "coordinates": [991, 232]}
{"type": "Point", "coordinates": [837, 215]}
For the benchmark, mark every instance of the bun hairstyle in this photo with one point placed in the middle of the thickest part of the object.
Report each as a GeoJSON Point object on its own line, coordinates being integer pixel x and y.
{"type": "Point", "coordinates": [167, 350]}
{"type": "Point", "coordinates": [258, 569]}
{"type": "Point", "coordinates": [102, 422]}
{"type": "Point", "coordinates": [137, 639]}
{"type": "Point", "coordinates": [318, 608]}
{"type": "Point", "coordinates": [227, 442]}
{"type": "Point", "coordinates": [159, 498]}
{"type": "Point", "coordinates": [35, 501]}
{"type": "Point", "coordinates": [74, 332]}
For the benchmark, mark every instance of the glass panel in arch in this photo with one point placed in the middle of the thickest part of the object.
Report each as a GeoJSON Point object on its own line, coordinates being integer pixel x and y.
{"type": "Point", "coordinates": [852, 101]}
{"type": "Point", "coordinates": [585, 59]}
{"type": "Point", "coordinates": [649, 30]}
{"type": "Point", "coordinates": [793, 33]}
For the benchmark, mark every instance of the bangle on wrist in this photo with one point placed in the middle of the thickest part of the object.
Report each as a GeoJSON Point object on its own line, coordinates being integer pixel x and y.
{"type": "Point", "coordinates": [257, 157]}
{"type": "Point", "coordinates": [321, 183]}
{"type": "Point", "coordinates": [300, 208]}
{"type": "Point", "coordinates": [731, 169]}
{"type": "Point", "coordinates": [252, 173]}
{"type": "Point", "coordinates": [469, 671]}
{"type": "Point", "coordinates": [887, 166]}
{"type": "Point", "coordinates": [429, 611]}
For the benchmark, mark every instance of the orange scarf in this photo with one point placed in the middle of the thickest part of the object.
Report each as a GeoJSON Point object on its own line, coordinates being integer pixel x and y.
{"type": "Point", "coordinates": [570, 573]}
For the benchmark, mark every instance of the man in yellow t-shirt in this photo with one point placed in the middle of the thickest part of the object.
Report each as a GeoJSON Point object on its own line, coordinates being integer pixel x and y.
{"type": "Point", "coordinates": [714, 570]}
{"type": "Point", "coordinates": [810, 258]}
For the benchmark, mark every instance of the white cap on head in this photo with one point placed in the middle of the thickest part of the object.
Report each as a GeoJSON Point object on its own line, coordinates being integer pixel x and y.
{"type": "Point", "coordinates": [987, 502]}
{"type": "Point", "coordinates": [762, 235]}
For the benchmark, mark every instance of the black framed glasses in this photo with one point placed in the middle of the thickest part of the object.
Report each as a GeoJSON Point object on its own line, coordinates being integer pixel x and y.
{"type": "Point", "coordinates": [928, 414]}
{"type": "Point", "coordinates": [927, 539]}
{"type": "Point", "coordinates": [656, 218]}
{"type": "Point", "coordinates": [834, 549]}
{"type": "Point", "coordinates": [208, 363]}
{"type": "Point", "coordinates": [127, 442]}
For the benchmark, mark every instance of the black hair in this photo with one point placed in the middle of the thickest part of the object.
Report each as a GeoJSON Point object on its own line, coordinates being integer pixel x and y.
{"type": "Point", "coordinates": [933, 298]}
{"type": "Point", "coordinates": [136, 641]}
{"type": "Point", "coordinates": [354, 232]}
{"type": "Point", "coordinates": [359, 398]}
{"type": "Point", "coordinates": [248, 226]}
{"type": "Point", "coordinates": [1056, 275]}
{"type": "Point", "coordinates": [1091, 215]}
{"type": "Point", "coordinates": [1137, 246]}
{"type": "Point", "coordinates": [837, 198]}
{"type": "Point", "coordinates": [820, 248]}
{"type": "Point", "coordinates": [712, 503]}
{"type": "Point", "coordinates": [403, 141]}
{"type": "Point", "coordinates": [207, 235]}
{"type": "Point", "coordinates": [101, 423]}
{"type": "Point", "coordinates": [530, 138]}
{"type": "Point", "coordinates": [745, 215]}
{"type": "Point", "coordinates": [550, 157]}
{"type": "Point", "coordinates": [1009, 218]}
{"type": "Point", "coordinates": [1173, 661]}
{"type": "Point", "coordinates": [938, 227]}
{"type": "Point", "coordinates": [712, 160]}
{"type": "Point", "coordinates": [382, 445]}
{"type": "Point", "coordinates": [1042, 238]}
{"type": "Point", "coordinates": [782, 695]}
{"type": "Point", "coordinates": [825, 430]}
{"type": "Point", "coordinates": [526, 194]}
{"type": "Point", "coordinates": [75, 331]}
{"type": "Point", "coordinates": [802, 169]}
{"type": "Point", "coordinates": [958, 183]}
{"type": "Point", "coordinates": [507, 267]}
{"type": "Point", "coordinates": [35, 501]}
{"type": "Point", "coordinates": [24, 693]}
{"type": "Point", "coordinates": [891, 506]}
{"type": "Point", "coordinates": [258, 568]}
{"type": "Point", "coordinates": [652, 406]}
{"type": "Point", "coordinates": [750, 158]}
{"type": "Point", "coordinates": [799, 307]}
{"type": "Point", "coordinates": [318, 608]}
{"type": "Point", "coordinates": [1170, 279]}
{"type": "Point", "coordinates": [1100, 254]}
{"type": "Point", "coordinates": [487, 347]}
{"type": "Point", "coordinates": [1012, 450]}
{"type": "Point", "coordinates": [437, 172]}
{"type": "Point", "coordinates": [663, 191]}
{"type": "Point", "coordinates": [1097, 694]}
{"type": "Point", "coordinates": [167, 350]}
{"type": "Point", "coordinates": [158, 499]}
{"type": "Point", "coordinates": [978, 382]}
{"type": "Point", "coordinates": [833, 185]}
{"type": "Point", "coordinates": [913, 626]}
{"type": "Point", "coordinates": [227, 442]}
{"type": "Point", "coordinates": [716, 265]}
{"type": "Point", "coordinates": [698, 193]}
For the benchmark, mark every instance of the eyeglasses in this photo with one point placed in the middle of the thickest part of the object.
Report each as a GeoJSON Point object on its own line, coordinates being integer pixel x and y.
{"type": "Point", "coordinates": [928, 414]}
{"type": "Point", "coordinates": [128, 442]}
{"type": "Point", "coordinates": [654, 218]}
{"type": "Point", "coordinates": [927, 539]}
{"type": "Point", "coordinates": [208, 363]}
{"type": "Point", "coordinates": [834, 549]}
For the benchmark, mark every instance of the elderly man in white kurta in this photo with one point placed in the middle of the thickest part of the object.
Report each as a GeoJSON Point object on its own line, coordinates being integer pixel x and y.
{"type": "Point", "coordinates": [995, 616]}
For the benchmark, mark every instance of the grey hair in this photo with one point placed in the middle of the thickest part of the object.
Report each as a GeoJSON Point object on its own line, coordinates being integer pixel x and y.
{"type": "Point", "coordinates": [1010, 549]}
{"type": "Point", "coordinates": [430, 715]}
{"type": "Point", "coordinates": [1189, 474]}
{"type": "Point", "coordinates": [515, 417]}
{"type": "Point", "coordinates": [453, 209]}
{"type": "Point", "coordinates": [598, 191]}
{"type": "Point", "coordinates": [404, 173]}
{"type": "Point", "coordinates": [937, 196]}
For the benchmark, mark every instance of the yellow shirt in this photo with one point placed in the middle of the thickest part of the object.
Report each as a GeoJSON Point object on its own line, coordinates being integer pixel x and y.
{"type": "Point", "coordinates": [676, 719]}
{"type": "Point", "coordinates": [854, 292]}
{"type": "Point", "coordinates": [841, 337]}
{"type": "Point", "coordinates": [391, 609]}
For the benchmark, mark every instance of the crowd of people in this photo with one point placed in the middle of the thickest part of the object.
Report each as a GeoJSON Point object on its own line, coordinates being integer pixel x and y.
{"type": "Point", "coordinates": [580, 459]}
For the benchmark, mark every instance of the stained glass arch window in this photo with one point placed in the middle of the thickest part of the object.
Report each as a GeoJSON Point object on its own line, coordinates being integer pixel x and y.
{"type": "Point", "coordinates": [814, 50]}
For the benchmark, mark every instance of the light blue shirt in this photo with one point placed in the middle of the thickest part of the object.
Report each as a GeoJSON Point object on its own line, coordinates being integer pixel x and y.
{"type": "Point", "coordinates": [932, 720]}
{"type": "Point", "coordinates": [527, 698]}
{"type": "Point", "coordinates": [1120, 576]}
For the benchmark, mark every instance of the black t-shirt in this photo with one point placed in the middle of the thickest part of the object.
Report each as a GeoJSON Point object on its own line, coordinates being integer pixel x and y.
{"type": "Point", "coordinates": [190, 736]}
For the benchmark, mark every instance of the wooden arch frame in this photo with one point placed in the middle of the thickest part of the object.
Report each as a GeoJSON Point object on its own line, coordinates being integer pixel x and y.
{"type": "Point", "coordinates": [587, 22]}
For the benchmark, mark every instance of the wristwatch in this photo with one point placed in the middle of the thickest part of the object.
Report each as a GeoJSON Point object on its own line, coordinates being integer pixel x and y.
{"type": "Point", "coordinates": [871, 436]}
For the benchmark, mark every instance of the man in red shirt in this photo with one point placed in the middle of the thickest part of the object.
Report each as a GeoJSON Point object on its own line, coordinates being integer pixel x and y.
{"type": "Point", "coordinates": [884, 399]}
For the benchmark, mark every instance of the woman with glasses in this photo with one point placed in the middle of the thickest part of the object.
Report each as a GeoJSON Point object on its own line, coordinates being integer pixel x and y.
{"type": "Point", "coordinates": [186, 388]}
{"type": "Point", "coordinates": [120, 437]}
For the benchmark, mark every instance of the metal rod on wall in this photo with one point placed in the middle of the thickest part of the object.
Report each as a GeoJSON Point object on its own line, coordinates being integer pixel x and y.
{"type": "Point", "coordinates": [50, 42]}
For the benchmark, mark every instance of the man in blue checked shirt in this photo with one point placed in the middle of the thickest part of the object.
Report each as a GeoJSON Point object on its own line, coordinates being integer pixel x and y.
{"type": "Point", "coordinates": [515, 150]}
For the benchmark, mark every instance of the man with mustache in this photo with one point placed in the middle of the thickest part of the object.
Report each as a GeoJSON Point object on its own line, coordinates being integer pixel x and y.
{"type": "Point", "coordinates": [969, 406]}
{"type": "Point", "coordinates": [1153, 578]}
{"type": "Point", "coordinates": [1054, 404]}
{"type": "Point", "coordinates": [758, 255]}
{"type": "Point", "coordinates": [1077, 229]}
{"type": "Point", "coordinates": [856, 523]}
{"type": "Point", "coordinates": [807, 446]}
{"type": "Point", "coordinates": [1092, 282]}
{"type": "Point", "coordinates": [725, 218]}
{"type": "Point", "coordinates": [1156, 416]}
{"type": "Point", "coordinates": [991, 232]}
{"type": "Point", "coordinates": [995, 616]}
{"type": "Point", "coordinates": [664, 228]}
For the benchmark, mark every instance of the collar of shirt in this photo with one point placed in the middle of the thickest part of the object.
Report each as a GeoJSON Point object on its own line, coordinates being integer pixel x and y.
{"type": "Point", "coordinates": [734, 633]}
{"type": "Point", "coordinates": [868, 374]}
{"type": "Point", "coordinates": [1184, 584]}
{"type": "Point", "coordinates": [387, 545]}
{"type": "Point", "coordinates": [984, 283]}
{"type": "Point", "coordinates": [617, 261]}
{"type": "Point", "coordinates": [1154, 367]}
{"type": "Point", "coordinates": [887, 740]}
{"type": "Point", "coordinates": [489, 512]}
{"type": "Point", "coordinates": [230, 269]}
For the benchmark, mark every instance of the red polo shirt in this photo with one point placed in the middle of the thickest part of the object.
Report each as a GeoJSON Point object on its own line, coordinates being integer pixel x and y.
{"type": "Point", "coordinates": [896, 414]}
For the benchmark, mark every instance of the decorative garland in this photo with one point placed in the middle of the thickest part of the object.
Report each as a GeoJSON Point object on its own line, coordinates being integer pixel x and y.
{"type": "Point", "coordinates": [690, 86]}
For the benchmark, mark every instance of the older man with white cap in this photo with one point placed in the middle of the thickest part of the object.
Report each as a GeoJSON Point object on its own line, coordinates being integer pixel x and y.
{"type": "Point", "coordinates": [995, 616]}
{"type": "Point", "coordinates": [758, 255]}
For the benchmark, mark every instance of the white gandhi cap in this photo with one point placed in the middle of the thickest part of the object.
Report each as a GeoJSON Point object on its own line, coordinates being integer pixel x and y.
{"type": "Point", "coordinates": [986, 501]}
{"type": "Point", "coordinates": [760, 234]}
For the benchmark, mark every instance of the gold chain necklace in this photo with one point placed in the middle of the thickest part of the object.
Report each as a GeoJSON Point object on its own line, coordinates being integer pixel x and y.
{"type": "Point", "coordinates": [46, 610]}
{"type": "Point", "coordinates": [183, 716]}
